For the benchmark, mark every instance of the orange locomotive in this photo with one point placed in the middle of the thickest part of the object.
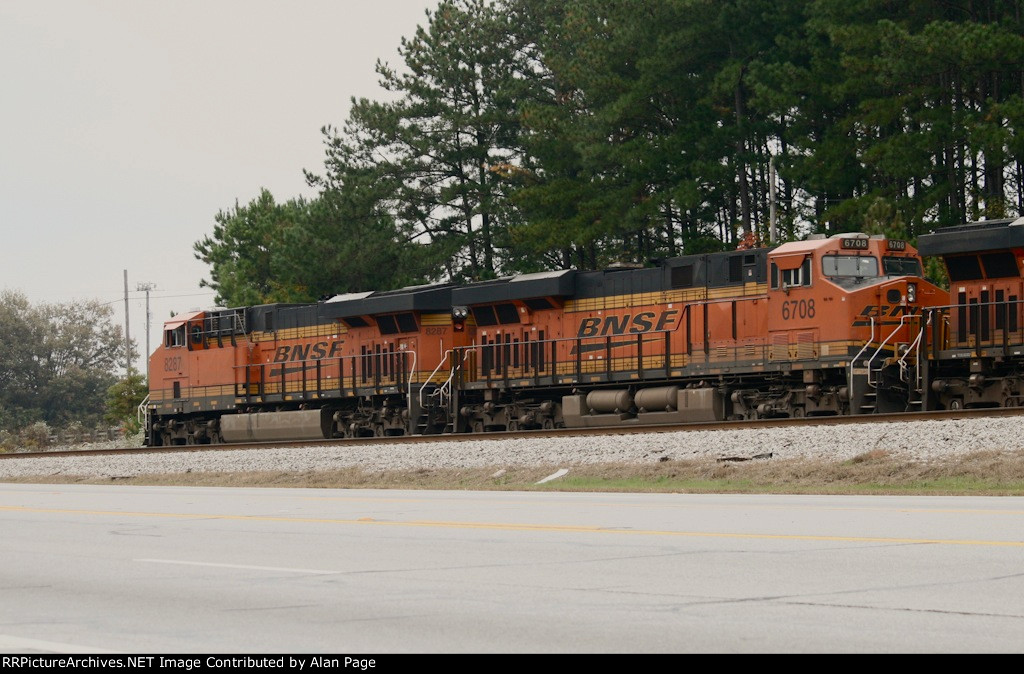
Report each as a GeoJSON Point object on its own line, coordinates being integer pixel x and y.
{"type": "Point", "coordinates": [823, 326]}
{"type": "Point", "coordinates": [976, 344]}
{"type": "Point", "coordinates": [347, 367]}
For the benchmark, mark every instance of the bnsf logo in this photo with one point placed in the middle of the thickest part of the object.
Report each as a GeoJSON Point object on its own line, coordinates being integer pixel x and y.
{"type": "Point", "coordinates": [627, 324]}
{"type": "Point", "coordinates": [306, 351]}
{"type": "Point", "coordinates": [879, 313]}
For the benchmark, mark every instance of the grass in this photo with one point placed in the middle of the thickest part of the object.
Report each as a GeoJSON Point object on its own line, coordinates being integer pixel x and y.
{"type": "Point", "coordinates": [873, 472]}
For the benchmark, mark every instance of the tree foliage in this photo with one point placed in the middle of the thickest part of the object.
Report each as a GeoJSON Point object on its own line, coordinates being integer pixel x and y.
{"type": "Point", "coordinates": [521, 135]}
{"type": "Point", "coordinates": [122, 401]}
{"type": "Point", "coordinates": [56, 360]}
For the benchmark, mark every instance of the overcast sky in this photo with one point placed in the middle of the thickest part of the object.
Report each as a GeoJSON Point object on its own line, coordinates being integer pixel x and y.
{"type": "Point", "coordinates": [126, 125]}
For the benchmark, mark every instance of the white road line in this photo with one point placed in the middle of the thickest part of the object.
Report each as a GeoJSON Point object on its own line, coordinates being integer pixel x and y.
{"type": "Point", "coordinates": [236, 566]}
{"type": "Point", "coordinates": [14, 644]}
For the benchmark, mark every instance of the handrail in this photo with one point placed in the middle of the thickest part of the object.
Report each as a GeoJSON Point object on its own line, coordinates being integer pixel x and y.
{"type": "Point", "coordinates": [853, 362]}
{"type": "Point", "coordinates": [412, 374]}
{"type": "Point", "coordinates": [240, 321]}
{"type": "Point", "coordinates": [882, 344]}
{"type": "Point", "coordinates": [142, 412]}
{"type": "Point", "coordinates": [444, 359]}
{"type": "Point", "coordinates": [445, 388]}
{"type": "Point", "coordinates": [915, 346]}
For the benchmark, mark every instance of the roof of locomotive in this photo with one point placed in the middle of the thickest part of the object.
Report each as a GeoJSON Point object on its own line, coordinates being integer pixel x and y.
{"type": "Point", "coordinates": [688, 271]}
{"type": "Point", "coordinates": [431, 297]}
{"type": "Point", "coordinates": [522, 287]}
{"type": "Point", "coordinates": [435, 297]}
{"type": "Point", "coordinates": [819, 241]}
{"type": "Point", "coordinates": [973, 237]}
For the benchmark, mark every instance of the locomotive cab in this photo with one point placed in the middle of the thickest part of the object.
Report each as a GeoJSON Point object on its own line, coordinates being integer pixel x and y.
{"type": "Point", "coordinates": [179, 367]}
{"type": "Point", "coordinates": [853, 301]}
{"type": "Point", "coordinates": [831, 284]}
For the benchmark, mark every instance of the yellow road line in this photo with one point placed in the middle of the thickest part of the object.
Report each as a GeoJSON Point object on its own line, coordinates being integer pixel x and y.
{"type": "Point", "coordinates": [497, 526]}
{"type": "Point", "coordinates": [683, 506]}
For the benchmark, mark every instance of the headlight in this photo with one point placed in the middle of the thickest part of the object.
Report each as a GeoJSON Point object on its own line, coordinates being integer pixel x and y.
{"type": "Point", "coordinates": [912, 293]}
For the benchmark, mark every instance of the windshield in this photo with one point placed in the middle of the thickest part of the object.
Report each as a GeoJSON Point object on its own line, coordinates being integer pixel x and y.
{"type": "Point", "coordinates": [901, 266]}
{"type": "Point", "coordinates": [857, 266]}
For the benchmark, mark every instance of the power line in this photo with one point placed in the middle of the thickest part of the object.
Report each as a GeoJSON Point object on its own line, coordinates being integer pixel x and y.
{"type": "Point", "coordinates": [162, 297]}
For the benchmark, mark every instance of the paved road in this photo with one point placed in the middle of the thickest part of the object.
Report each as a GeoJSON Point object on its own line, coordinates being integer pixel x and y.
{"type": "Point", "coordinates": [200, 570]}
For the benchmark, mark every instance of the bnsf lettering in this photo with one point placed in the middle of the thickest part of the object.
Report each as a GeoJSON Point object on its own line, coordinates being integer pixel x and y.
{"type": "Point", "coordinates": [626, 324]}
{"type": "Point", "coordinates": [317, 350]}
{"type": "Point", "coordinates": [884, 310]}
{"type": "Point", "coordinates": [879, 314]}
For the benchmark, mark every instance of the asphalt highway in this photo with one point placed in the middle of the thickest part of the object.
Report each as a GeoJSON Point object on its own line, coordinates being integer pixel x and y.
{"type": "Point", "coordinates": [116, 569]}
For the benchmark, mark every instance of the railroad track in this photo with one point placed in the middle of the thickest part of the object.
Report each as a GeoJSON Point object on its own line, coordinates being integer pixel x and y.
{"type": "Point", "coordinates": [558, 432]}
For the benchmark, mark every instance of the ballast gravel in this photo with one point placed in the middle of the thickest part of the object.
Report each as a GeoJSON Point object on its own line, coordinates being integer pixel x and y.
{"type": "Point", "coordinates": [916, 440]}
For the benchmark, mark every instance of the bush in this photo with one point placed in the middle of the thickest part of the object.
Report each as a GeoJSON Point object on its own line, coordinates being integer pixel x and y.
{"type": "Point", "coordinates": [123, 399]}
{"type": "Point", "coordinates": [130, 426]}
{"type": "Point", "coordinates": [74, 432]}
{"type": "Point", "coordinates": [36, 436]}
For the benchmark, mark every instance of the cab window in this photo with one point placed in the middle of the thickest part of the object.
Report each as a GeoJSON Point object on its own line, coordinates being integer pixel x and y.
{"type": "Point", "coordinates": [801, 276]}
{"type": "Point", "coordinates": [855, 266]}
{"type": "Point", "coordinates": [175, 337]}
{"type": "Point", "coordinates": [901, 266]}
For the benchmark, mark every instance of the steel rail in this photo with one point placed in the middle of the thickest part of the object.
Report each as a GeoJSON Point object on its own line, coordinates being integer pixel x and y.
{"type": "Point", "coordinates": [626, 429]}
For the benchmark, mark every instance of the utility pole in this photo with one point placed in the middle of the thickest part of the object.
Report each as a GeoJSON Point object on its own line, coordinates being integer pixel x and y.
{"type": "Point", "coordinates": [773, 233]}
{"type": "Point", "coordinates": [127, 339]}
{"type": "Point", "coordinates": [146, 287]}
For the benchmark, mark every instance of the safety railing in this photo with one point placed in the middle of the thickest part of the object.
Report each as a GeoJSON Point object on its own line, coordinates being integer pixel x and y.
{"type": "Point", "coordinates": [341, 375]}
{"type": "Point", "coordinates": [445, 358]}
{"type": "Point", "coordinates": [647, 355]}
{"type": "Point", "coordinates": [976, 326]}
{"type": "Point", "coordinates": [904, 321]}
{"type": "Point", "coordinates": [915, 348]}
{"type": "Point", "coordinates": [142, 413]}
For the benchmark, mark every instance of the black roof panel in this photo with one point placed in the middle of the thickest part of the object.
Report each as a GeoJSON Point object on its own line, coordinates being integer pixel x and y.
{"type": "Point", "coordinates": [523, 287]}
{"type": "Point", "coordinates": [417, 298]}
{"type": "Point", "coordinates": [973, 237]}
